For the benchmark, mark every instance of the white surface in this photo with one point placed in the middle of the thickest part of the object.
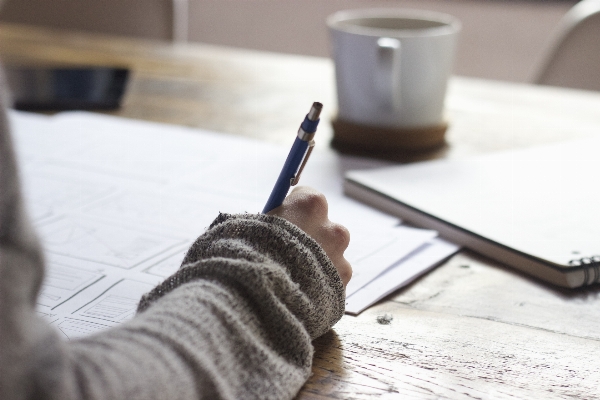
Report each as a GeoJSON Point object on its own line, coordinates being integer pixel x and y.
{"type": "Point", "coordinates": [540, 201]}
{"type": "Point", "coordinates": [402, 273]}
{"type": "Point", "coordinates": [384, 251]}
{"type": "Point", "coordinates": [117, 202]}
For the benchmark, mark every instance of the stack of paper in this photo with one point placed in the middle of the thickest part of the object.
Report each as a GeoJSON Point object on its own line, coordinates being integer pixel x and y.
{"type": "Point", "coordinates": [417, 262]}
{"type": "Point", "coordinates": [117, 202]}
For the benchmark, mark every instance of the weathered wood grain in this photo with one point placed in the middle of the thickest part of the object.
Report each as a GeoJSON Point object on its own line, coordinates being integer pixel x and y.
{"type": "Point", "coordinates": [471, 329]}
{"type": "Point", "coordinates": [468, 285]}
{"type": "Point", "coordinates": [427, 354]}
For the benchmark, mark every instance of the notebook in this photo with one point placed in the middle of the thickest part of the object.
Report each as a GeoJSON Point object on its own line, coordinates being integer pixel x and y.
{"type": "Point", "coordinates": [535, 209]}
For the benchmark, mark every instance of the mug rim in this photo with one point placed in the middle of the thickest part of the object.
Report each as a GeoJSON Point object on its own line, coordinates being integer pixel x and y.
{"type": "Point", "coordinates": [449, 23]}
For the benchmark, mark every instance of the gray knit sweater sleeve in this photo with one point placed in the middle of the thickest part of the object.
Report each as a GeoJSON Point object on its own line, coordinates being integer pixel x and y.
{"type": "Point", "coordinates": [271, 261]}
{"type": "Point", "coordinates": [235, 322]}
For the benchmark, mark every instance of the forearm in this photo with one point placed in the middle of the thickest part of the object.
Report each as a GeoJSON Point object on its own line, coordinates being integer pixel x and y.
{"type": "Point", "coordinates": [235, 322]}
{"type": "Point", "coordinates": [289, 269]}
{"type": "Point", "coordinates": [220, 350]}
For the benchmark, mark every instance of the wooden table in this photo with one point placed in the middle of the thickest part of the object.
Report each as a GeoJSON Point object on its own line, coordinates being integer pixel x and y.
{"type": "Point", "coordinates": [470, 329]}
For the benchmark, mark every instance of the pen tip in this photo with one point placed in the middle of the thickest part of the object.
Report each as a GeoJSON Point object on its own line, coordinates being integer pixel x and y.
{"type": "Point", "coordinates": [315, 111]}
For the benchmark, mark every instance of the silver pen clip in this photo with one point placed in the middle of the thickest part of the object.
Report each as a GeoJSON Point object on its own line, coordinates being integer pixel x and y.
{"type": "Point", "coordinates": [296, 177]}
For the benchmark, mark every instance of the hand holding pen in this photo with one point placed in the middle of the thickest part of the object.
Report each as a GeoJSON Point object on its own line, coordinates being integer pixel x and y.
{"type": "Point", "coordinates": [305, 207]}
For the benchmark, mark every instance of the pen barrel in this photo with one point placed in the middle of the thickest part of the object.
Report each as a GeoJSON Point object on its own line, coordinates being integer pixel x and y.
{"type": "Point", "coordinates": [289, 170]}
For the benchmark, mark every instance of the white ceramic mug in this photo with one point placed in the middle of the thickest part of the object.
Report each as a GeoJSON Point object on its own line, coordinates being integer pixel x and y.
{"type": "Point", "coordinates": [392, 65]}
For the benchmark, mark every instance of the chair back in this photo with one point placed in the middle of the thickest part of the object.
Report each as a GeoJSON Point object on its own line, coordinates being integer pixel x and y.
{"type": "Point", "coordinates": [573, 56]}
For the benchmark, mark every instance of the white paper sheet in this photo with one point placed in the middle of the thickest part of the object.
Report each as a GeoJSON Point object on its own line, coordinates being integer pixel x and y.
{"type": "Point", "coordinates": [117, 202]}
{"type": "Point", "coordinates": [401, 274]}
{"type": "Point", "coordinates": [384, 251]}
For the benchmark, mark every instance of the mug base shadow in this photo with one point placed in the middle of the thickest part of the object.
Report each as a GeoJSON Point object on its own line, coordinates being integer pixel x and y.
{"type": "Point", "coordinates": [397, 144]}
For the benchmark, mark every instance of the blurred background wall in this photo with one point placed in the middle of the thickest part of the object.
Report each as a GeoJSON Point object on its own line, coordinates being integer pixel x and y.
{"type": "Point", "coordinates": [145, 18]}
{"type": "Point", "coordinates": [501, 39]}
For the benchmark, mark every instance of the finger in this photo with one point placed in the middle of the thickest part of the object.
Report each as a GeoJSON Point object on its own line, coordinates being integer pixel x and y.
{"type": "Point", "coordinates": [338, 235]}
{"type": "Point", "coordinates": [334, 239]}
{"type": "Point", "coordinates": [309, 201]}
{"type": "Point", "coordinates": [304, 207]}
{"type": "Point", "coordinates": [343, 268]}
{"type": "Point", "coordinates": [303, 196]}
{"type": "Point", "coordinates": [339, 239]}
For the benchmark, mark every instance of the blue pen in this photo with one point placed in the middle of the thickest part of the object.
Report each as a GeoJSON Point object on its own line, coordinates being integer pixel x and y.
{"type": "Point", "coordinates": [296, 159]}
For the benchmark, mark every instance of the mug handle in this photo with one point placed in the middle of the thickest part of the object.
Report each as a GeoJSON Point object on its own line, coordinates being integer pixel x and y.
{"type": "Point", "coordinates": [387, 77]}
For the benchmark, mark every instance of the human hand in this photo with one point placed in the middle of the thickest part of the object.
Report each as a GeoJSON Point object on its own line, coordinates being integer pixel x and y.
{"type": "Point", "coordinates": [307, 209]}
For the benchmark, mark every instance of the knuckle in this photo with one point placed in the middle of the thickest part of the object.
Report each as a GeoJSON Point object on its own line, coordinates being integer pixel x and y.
{"type": "Point", "coordinates": [345, 272]}
{"type": "Point", "coordinates": [348, 273]}
{"type": "Point", "coordinates": [340, 235]}
{"type": "Point", "coordinates": [315, 203]}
